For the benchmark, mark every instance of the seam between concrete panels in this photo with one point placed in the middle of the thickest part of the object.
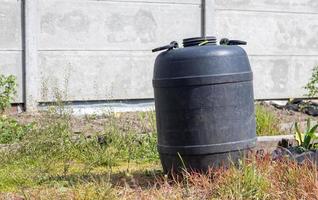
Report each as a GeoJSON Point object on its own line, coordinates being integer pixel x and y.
{"type": "Point", "coordinates": [148, 50]}
{"type": "Point", "coordinates": [9, 50]}
{"type": "Point", "coordinates": [267, 11]}
{"type": "Point", "coordinates": [94, 50]}
{"type": "Point", "coordinates": [30, 69]}
{"type": "Point", "coordinates": [280, 55]}
{"type": "Point", "coordinates": [148, 2]}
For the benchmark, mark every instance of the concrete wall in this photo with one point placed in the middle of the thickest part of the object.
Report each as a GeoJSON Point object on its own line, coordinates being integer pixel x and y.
{"type": "Point", "coordinates": [97, 50]}
{"type": "Point", "coordinates": [89, 49]}
{"type": "Point", "coordinates": [11, 41]}
{"type": "Point", "coordinates": [100, 49]}
{"type": "Point", "coordinates": [282, 41]}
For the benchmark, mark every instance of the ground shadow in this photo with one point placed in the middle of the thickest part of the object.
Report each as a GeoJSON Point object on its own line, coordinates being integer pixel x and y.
{"type": "Point", "coordinates": [143, 179]}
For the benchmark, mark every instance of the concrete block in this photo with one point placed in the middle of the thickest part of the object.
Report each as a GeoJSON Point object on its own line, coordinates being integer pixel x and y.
{"type": "Point", "coordinates": [269, 143]}
{"type": "Point", "coordinates": [10, 25]}
{"type": "Point", "coordinates": [114, 25]}
{"type": "Point", "coordinates": [101, 75]}
{"type": "Point", "coordinates": [11, 64]}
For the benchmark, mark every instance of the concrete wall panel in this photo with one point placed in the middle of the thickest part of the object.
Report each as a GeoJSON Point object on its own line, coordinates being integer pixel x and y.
{"type": "Point", "coordinates": [96, 75]}
{"type": "Point", "coordinates": [10, 25]}
{"type": "Point", "coordinates": [10, 64]}
{"type": "Point", "coordinates": [305, 6]}
{"type": "Point", "coordinates": [80, 76]}
{"type": "Point", "coordinates": [197, 2]}
{"type": "Point", "coordinates": [281, 76]}
{"type": "Point", "coordinates": [98, 50]}
{"type": "Point", "coordinates": [11, 42]}
{"type": "Point", "coordinates": [271, 33]}
{"type": "Point", "coordinates": [114, 25]}
{"type": "Point", "coordinates": [282, 41]}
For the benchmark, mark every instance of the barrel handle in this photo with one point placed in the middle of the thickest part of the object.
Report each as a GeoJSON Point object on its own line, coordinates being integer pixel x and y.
{"type": "Point", "coordinates": [225, 41]}
{"type": "Point", "coordinates": [172, 45]}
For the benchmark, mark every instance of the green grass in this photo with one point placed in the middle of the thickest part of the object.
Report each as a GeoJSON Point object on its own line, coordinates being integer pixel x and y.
{"type": "Point", "coordinates": [50, 150]}
{"type": "Point", "coordinates": [266, 122]}
{"type": "Point", "coordinates": [245, 182]}
{"type": "Point", "coordinates": [121, 162]}
{"type": "Point", "coordinates": [11, 131]}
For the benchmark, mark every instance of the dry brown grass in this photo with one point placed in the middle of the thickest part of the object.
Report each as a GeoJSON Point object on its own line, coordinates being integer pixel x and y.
{"type": "Point", "coordinates": [256, 178]}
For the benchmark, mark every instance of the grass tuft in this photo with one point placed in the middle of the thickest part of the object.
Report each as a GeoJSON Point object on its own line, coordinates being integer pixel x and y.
{"type": "Point", "coordinates": [244, 182]}
{"type": "Point", "coordinates": [266, 122]}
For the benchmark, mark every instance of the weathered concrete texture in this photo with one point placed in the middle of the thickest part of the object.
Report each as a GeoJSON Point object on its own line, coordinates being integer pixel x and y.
{"type": "Point", "coordinates": [10, 25]}
{"type": "Point", "coordinates": [269, 143]}
{"type": "Point", "coordinates": [114, 25]}
{"type": "Point", "coordinates": [107, 107]}
{"type": "Point", "coordinates": [11, 41]}
{"type": "Point", "coordinates": [209, 18]}
{"type": "Point", "coordinates": [306, 6]}
{"type": "Point", "coordinates": [31, 54]}
{"type": "Point", "coordinates": [281, 76]}
{"type": "Point", "coordinates": [282, 41]}
{"type": "Point", "coordinates": [99, 50]}
{"type": "Point", "coordinates": [79, 75]}
{"type": "Point", "coordinates": [271, 33]}
{"type": "Point", "coordinates": [11, 63]}
{"type": "Point", "coordinates": [197, 2]}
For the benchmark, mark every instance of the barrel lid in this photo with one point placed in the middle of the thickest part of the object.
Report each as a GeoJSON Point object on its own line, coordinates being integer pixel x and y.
{"type": "Point", "coordinates": [195, 41]}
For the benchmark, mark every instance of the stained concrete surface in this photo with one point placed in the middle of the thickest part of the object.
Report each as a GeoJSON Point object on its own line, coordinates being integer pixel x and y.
{"type": "Point", "coordinates": [99, 50]}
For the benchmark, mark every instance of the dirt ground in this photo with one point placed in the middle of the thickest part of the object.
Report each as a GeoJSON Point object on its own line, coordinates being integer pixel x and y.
{"type": "Point", "coordinates": [286, 116]}
{"type": "Point", "coordinates": [144, 122]}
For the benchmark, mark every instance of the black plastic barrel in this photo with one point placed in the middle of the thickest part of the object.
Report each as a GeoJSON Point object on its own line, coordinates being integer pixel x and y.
{"type": "Point", "coordinates": [204, 104]}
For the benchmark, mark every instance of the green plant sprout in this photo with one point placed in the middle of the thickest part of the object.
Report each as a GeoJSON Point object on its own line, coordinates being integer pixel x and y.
{"type": "Point", "coordinates": [306, 139]}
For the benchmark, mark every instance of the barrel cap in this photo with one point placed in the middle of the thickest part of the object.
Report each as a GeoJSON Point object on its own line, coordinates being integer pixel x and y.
{"type": "Point", "coordinates": [198, 41]}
